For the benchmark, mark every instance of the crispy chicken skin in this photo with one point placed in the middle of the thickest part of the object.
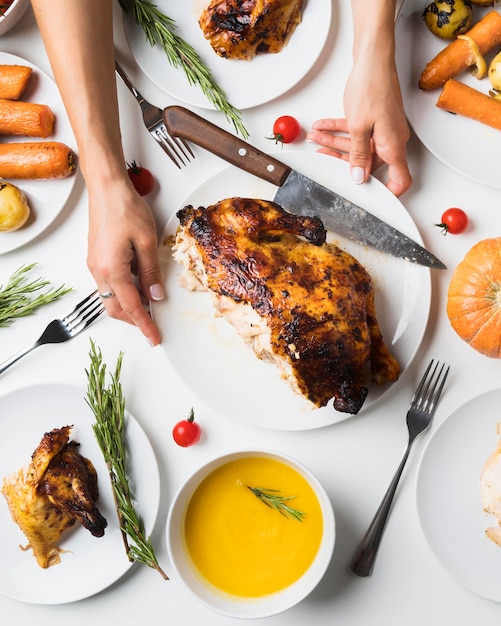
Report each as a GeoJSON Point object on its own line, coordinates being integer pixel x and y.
{"type": "Point", "coordinates": [305, 304]}
{"type": "Point", "coordinates": [58, 488]}
{"type": "Point", "coordinates": [242, 29]}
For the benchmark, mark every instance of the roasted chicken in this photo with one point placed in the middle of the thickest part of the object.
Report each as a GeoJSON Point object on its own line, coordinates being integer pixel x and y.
{"type": "Point", "coordinates": [302, 303]}
{"type": "Point", "coordinates": [242, 29]}
{"type": "Point", "coordinates": [58, 488]}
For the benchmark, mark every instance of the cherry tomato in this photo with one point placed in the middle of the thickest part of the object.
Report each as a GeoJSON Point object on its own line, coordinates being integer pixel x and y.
{"type": "Point", "coordinates": [286, 129]}
{"type": "Point", "coordinates": [454, 221]}
{"type": "Point", "coordinates": [141, 178]}
{"type": "Point", "coordinates": [187, 432]}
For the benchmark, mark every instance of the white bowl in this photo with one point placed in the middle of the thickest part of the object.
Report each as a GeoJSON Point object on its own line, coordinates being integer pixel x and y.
{"type": "Point", "coordinates": [231, 605]}
{"type": "Point", "coordinates": [13, 14]}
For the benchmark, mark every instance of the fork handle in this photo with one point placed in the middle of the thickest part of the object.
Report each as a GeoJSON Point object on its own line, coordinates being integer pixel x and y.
{"type": "Point", "coordinates": [365, 555]}
{"type": "Point", "coordinates": [15, 357]}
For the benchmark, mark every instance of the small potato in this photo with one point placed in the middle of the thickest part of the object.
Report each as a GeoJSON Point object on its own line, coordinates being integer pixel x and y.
{"type": "Point", "coordinates": [14, 208]}
{"type": "Point", "coordinates": [448, 18]}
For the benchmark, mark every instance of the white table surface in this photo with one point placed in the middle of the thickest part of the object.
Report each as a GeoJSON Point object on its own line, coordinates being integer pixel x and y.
{"type": "Point", "coordinates": [354, 459]}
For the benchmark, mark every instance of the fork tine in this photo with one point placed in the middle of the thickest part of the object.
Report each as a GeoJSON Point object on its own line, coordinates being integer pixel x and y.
{"type": "Point", "coordinates": [83, 311]}
{"type": "Point", "coordinates": [427, 395]}
{"type": "Point", "coordinates": [435, 392]}
{"type": "Point", "coordinates": [76, 325]}
{"type": "Point", "coordinates": [165, 141]}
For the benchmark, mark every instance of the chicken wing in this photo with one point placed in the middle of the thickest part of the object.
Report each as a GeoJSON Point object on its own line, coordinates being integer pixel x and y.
{"type": "Point", "coordinates": [58, 488]}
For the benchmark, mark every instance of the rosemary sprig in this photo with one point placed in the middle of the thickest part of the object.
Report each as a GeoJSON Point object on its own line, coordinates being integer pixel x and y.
{"type": "Point", "coordinates": [108, 406]}
{"type": "Point", "coordinates": [159, 28]}
{"type": "Point", "coordinates": [15, 300]}
{"type": "Point", "coordinates": [277, 502]}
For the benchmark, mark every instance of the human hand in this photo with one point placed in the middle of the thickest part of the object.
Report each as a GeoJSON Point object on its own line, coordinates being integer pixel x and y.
{"type": "Point", "coordinates": [375, 130]}
{"type": "Point", "coordinates": [123, 241]}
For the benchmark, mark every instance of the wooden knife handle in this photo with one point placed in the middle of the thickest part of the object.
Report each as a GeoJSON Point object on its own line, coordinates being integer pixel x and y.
{"type": "Point", "coordinates": [184, 123]}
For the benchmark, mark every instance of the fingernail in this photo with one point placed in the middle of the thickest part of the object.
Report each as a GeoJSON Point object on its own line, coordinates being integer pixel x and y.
{"type": "Point", "coordinates": [357, 175]}
{"type": "Point", "coordinates": [156, 292]}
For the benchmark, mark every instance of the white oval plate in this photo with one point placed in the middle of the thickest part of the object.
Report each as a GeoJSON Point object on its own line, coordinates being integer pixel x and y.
{"type": "Point", "coordinates": [46, 198]}
{"type": "Point", "coordinates": [224, 372]}
{"type": "Point", "coordinates": [465, 145]}
{"type": "Point", "coordinates": [90, 564]}
{"type": "Point", "coordinates": [448, 495]}
{"type": "Point", "coordinates": [246, 83]}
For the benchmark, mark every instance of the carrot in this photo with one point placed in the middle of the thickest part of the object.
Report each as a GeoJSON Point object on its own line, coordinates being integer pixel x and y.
{"type": "Point", "coordinates": [459, 98]}
{"type": "Point", "coordinates": [457, 56]}
{"type": "Point", "coordinates": [13, 81]}
{"type": "Point", "coordinates": [26, 118]}
{"type": "Point", "coordinates": [38, 159]}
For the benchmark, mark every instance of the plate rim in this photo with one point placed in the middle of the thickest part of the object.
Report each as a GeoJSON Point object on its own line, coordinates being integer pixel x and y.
{"type": "Point", "coordinates": [152, 515]}
{"type": "Point", "coordinates": [454, 159]}
{"type": "Point", "coordinates": [425, 285]}
{"type": "Point", "coordinates": [28, 233]}
{"type": "Point", "coordinates": [198, 99]}
{"type": "Point", "coordinates": [424, 521]}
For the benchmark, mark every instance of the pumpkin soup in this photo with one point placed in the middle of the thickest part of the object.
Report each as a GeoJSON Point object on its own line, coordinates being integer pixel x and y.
{"type": "Point", "coordinates": [240, 542]}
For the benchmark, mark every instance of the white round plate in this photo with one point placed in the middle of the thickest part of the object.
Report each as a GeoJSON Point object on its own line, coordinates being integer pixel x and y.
{"type": "Point", "coordinates": [224, 372]}
{"type": "Point", "coordinates": [246, 83]}
{"type": "Point", "coordinates": [46, 198]}
{"type": "Point", "coordinates": [448, 495]}
{"type": "Point", "coordinates": [465, 145]}
{"type": "Point", "coordinates": [89, 564]}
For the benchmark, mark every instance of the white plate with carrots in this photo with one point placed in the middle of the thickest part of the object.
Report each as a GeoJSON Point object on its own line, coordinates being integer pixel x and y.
{"type": "Point", "coordinates": [466, 145]}
{"type": "Point", "coordinates": [46, 196]}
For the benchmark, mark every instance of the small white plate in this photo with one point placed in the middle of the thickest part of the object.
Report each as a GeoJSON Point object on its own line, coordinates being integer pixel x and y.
{"type": "Point", "coordinates": [224, 372]}
{"type": "Point", "coordinates": [246, 83]}
{"type": "Point", "coordinates": [46, 198]}
{"type": "Point", "coordinates": [465, 145]}
{"type": "Point", "coordinates": [449, 500]}
{"type": "Point", "coordinates": [90, 564]}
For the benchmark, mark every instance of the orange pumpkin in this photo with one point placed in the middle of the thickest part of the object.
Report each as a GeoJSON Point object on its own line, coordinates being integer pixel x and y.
{"type": "Point", "coordinates": [474, 298]}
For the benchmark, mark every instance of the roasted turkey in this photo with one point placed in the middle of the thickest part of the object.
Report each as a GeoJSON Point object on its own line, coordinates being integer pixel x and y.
{"type": "Point", "coordinates": [300, 302]}
{"type": "Point", "coordinates": [242, 29]}
{"type": "Point", "coordinates": [58, 488]}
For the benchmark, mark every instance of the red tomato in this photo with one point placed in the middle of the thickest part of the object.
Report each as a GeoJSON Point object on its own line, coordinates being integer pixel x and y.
{"type": "Point", "coordinates": [187, 432]}
{"type": "Point", "coordinates": [454, 221]}
{"type": "Point", "coordinates": [286, 129]}
{"type": "Point", "coordinates": [141, 178]}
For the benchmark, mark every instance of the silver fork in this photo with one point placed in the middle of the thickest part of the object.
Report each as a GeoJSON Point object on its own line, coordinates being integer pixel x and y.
{"type": "Point", "coordinates": [421, 410]}
{"type": "Point", "coordinates": [60, 330]}
{"type": "Point", "coordinates": [176, 149]}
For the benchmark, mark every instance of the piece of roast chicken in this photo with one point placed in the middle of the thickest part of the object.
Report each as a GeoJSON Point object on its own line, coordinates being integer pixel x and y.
{"type": "Point", "coordinates": [242, 29]}
{"type": "Point", "coordinates": [58, 488]}
{"type": "Point", "coordinates": [300, 302]}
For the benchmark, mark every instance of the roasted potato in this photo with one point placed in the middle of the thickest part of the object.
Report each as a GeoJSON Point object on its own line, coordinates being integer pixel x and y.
{"type": "Point", "coordinates": [448, 18]}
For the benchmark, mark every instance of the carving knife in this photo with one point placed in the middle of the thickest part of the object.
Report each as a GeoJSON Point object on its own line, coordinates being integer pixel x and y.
{"type": "Point", "coordinates": [296, 192]}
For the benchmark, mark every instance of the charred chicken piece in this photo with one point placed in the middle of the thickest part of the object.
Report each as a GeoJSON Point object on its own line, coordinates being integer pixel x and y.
{"type": "Point", "coordinates": [58, 488]}
{"type": "Point", "coordinates": [304, 304]}
{"type": "Point", "coordinates": [242, 29]}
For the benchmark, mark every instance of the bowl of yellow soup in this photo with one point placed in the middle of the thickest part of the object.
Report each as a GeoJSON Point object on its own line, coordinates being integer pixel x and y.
{"type": "Point", "coordinates": [251, 533]}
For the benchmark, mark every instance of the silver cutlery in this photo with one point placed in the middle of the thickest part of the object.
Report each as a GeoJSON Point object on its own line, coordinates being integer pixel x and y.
{"type": "Point", "coordinates": [419, 416]}
{"type": "Point", "coordinates": [175, 148]}
{"type": "Point", "coordinates": [60, 330]}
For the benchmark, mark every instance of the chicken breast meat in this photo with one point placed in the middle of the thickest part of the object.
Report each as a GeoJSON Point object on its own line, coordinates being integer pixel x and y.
{"type": "Point", "coordinates": [300, 302]}
{"type": "Point", "coordinates": [57, 489]}
{"type": "Point", "coordinates": [490, 490]}
{"type": "Point", "coordinates": [242, 29]}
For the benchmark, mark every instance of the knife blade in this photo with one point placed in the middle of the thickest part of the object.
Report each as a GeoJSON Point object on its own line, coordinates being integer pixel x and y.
{"type": "Point", "coordinates": [296, 192]}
